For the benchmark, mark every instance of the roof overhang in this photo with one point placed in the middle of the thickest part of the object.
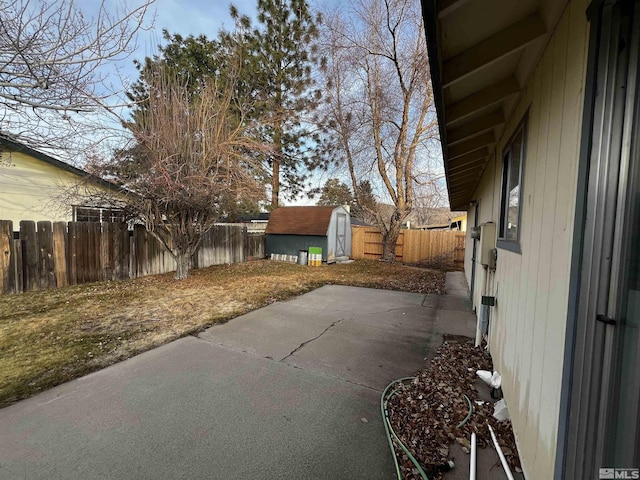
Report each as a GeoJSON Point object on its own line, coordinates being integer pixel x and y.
{"type": "Point", "coordinates": [481, 53]}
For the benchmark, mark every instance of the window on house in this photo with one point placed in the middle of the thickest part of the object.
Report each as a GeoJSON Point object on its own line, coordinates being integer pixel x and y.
{"type": "Point", "coordinates": [95, 214]}
{"type": "Point", "coordinates": [511, 198]}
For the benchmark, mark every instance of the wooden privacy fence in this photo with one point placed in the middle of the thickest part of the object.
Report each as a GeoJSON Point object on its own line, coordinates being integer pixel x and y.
{"type": "Point", "coordinates": [45, 255]}
{"type": "Point", "coordinates": [437, 248]}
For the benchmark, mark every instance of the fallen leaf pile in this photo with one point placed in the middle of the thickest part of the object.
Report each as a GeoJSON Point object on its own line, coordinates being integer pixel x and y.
{"type": "Point", "coordinates": [425, 411]}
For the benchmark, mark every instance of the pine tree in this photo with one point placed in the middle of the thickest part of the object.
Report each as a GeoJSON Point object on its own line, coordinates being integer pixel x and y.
{"type": "Point", "coordinates": [284, 56]}
{"type": "Point", "coordinates": [335, 192]}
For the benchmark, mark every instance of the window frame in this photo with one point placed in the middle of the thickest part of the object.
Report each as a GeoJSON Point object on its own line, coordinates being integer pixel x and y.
{"type": "Point", "coordinates": [504, 242]}
{"type": "Point", "coordinates": [105, 214]}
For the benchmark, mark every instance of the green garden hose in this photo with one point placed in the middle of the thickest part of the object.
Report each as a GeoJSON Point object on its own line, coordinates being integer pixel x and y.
{"type": "Point", "coordinates": [384, 399]}
{"type": "Point", "coordinates": [389, 431]}
{"type": "Point", "coordinates": [466, 419]}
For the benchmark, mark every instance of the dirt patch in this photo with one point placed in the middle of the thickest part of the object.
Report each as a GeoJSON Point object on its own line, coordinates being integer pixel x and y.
{"type": "Point", "coordinates": [52, 336]}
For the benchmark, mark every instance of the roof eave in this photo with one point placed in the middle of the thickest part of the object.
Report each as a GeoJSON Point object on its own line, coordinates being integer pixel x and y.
{"type": "Point", "coordinates": [430, 17]}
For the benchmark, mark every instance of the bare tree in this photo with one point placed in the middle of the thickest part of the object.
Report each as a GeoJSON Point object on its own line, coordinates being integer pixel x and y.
{"type": "Point", "coordinates": [379, 112]}
{"type": "Point", "coordinates": [190, 164]}
{"type": "Point", "coordinates": [52, 56]}
{"type": "Point", "coordinates": [430, 201]}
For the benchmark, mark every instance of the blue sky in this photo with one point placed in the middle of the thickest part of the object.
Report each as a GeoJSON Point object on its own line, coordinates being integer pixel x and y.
{"type": "Point", "coordinates": [186, 17]}
{"type": "Point", "coordinates": [192, 17]}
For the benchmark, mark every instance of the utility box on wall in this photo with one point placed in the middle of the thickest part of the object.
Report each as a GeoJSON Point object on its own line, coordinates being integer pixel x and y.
{"type": "Point", "coordinates": [487, 242]}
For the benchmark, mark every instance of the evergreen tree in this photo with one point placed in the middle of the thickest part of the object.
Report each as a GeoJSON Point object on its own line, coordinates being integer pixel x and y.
{"type": "Point", "coordinates": [335, 192]}
{"type": "Point", "coordinates": [283, 53]}
{"type": "Point", "coordinates": [194, 60]}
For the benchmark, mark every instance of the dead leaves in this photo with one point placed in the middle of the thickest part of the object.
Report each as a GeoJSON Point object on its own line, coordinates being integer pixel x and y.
{"type": "Point", "coordinates": [424, 413]}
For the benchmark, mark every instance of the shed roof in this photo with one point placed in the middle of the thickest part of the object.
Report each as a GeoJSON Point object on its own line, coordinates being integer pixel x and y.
{"type": "Point", "coordinates": [300, 220]}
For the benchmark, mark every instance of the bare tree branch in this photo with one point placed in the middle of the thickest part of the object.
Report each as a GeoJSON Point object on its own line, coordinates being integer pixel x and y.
{"type": "Point", "coordinates": [379, 108]}
{"type": "Point", "coordinates": [52, 56]}
{"type": "Point", "coordinates": [193, 159]}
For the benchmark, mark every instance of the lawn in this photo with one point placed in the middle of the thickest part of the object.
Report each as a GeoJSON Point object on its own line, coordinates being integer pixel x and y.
{"type": "Point", "coordinates": [52, 336]}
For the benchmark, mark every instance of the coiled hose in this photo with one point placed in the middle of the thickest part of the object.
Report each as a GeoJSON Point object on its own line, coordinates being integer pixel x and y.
{"type": "Point", "coordinates": [390, 432]}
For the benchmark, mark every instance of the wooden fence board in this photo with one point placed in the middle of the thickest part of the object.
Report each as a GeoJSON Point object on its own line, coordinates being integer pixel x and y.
{"type": "Point", "coordinates": [46, 267]}
{"type": "Point", "coordinates": [139, 246]}
{"type": "Point", "coordinates": [254, 247]}
{"type": "Point", "coordinates": [125, 252]}
{"type": "Point", "coordinates": [107, 251]}
{"type": "Point", "coordinates": [72, 258]}
{"type": "Point", "coordinates": [60, 254]}
{"type": "Point", "coordinates": [30, 255]}
{"type": "Point", "coordinates": [18, 266]}
{"type": "Point", "coordinates": [83, 246]}
{"type": "Point", "coordinates": [7, 270]}
{"type": "Point", "coordinates": [46, 255]}
{"type": "Point", "coordinates": [444, 248]}
{"type": "Point", "coordinates": [95, 257]}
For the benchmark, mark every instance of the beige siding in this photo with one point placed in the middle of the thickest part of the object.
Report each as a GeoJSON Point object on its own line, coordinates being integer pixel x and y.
{"type": "Point", "coordinates": [31, 189]}
{"type": "Point", "coordinates": [528, 323]}
{"type": "Point", "coordinates": [468, 246]}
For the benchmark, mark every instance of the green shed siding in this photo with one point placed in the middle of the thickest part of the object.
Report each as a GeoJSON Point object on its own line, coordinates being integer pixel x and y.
{"type": "Point", "coordinates": [292, 244]}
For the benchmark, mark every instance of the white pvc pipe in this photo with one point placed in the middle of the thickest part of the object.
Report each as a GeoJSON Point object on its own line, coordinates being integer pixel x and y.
{"type": "Point", "coordinates": [472, 463]}
{"type": "Point", "coordinates": [505, 465]}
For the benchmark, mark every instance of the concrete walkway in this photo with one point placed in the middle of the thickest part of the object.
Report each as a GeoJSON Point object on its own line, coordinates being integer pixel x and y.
{"type": "Point", "coordinates": [289, 391]}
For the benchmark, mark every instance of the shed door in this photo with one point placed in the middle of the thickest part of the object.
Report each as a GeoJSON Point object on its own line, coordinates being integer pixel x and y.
{"type": "Point", "coordinates": [341, 235]}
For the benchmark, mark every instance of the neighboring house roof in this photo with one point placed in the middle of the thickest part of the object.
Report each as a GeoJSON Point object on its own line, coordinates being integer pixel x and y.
{"type": "Point", "coordinates": [260, 217]}
{"type": "Point", "coordinates": [300, 220]}
{"type": "Point", "coordinates": [433, 226]}
{"type": "Point", "coordinates": [11, 144]}
{"type": "Point", "coordinates": [440, 226]}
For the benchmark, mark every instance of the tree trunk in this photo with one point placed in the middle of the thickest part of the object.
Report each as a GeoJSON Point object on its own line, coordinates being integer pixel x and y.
{"type": "Point", "coordinates": [183, 265]}
{"type": "Point", "coordinates": [275, 184]}
{"type": "Point", "coordinates": [275, 178]}
{"type": "Point", "coordinates": [389, 240]}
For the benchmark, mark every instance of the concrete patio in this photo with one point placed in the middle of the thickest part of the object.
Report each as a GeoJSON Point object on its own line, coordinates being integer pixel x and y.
{"type": "Point", "coordinates": [288, 391]}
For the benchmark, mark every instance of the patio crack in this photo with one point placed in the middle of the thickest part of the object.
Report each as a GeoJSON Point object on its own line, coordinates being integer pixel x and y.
{"type": "Point", "coordinates": [307, 342]}
{"type": "Point", "coordinates": [396, 309]}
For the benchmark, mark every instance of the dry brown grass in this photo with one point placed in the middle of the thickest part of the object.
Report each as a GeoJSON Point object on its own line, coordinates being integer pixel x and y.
{"type": "Point", "coordinates": [49, 337]}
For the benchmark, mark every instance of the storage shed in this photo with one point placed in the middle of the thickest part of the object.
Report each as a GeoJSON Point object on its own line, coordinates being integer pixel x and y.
{"type": "Point", "coordinates": [291, 229]}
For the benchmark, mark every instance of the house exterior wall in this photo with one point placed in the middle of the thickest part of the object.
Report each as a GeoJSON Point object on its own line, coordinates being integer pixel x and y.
{"type": "Point", "coordinates": [527, 325]}
{"type": "Point", "coordinates": [30, 189]}
{"type": "Point", "coordinates": [468, 246]}
{"type": "Point", "coordinates": [463, 222]}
